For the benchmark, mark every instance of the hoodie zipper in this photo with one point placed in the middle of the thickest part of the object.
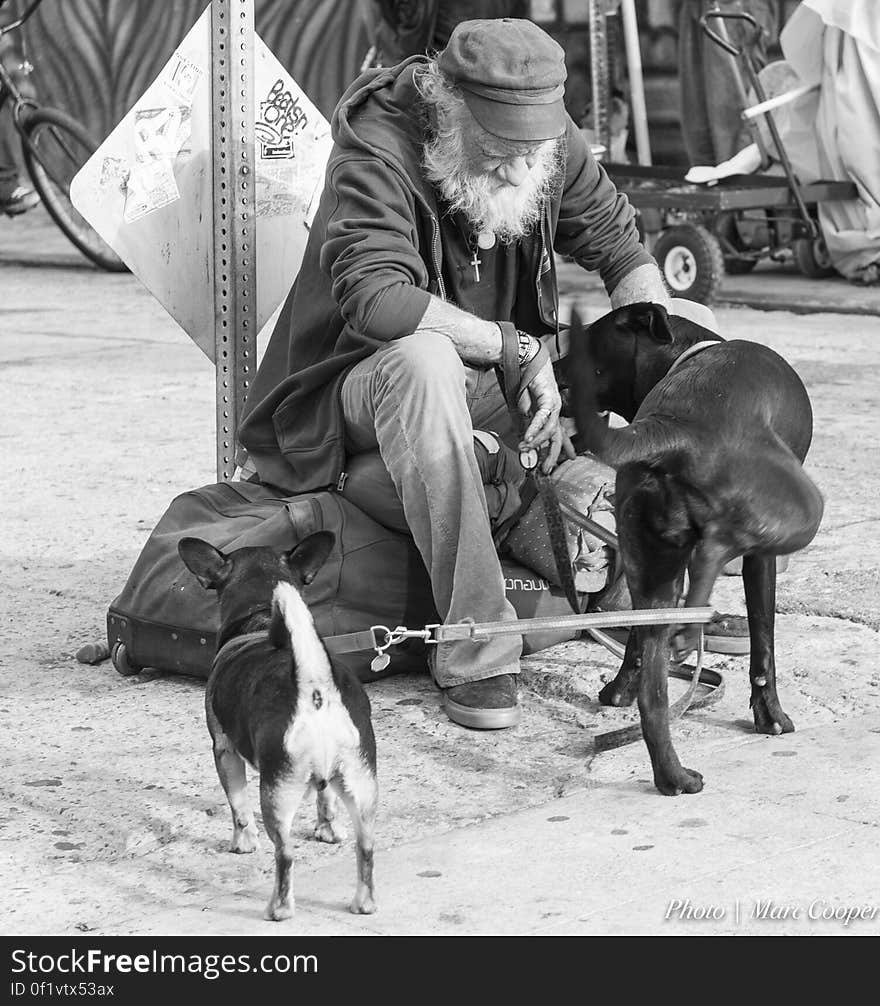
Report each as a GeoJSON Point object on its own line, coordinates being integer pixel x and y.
{"type": "Point", "coordinates": [436, 251]}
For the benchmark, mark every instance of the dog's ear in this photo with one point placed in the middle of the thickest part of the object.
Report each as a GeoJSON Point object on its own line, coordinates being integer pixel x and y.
{"type": "Point", "coordinates": [207, 564]}
{"type": "Point", "coordinates": [310, 555]}
{"type": "Point", "coordinates": [646, 319]}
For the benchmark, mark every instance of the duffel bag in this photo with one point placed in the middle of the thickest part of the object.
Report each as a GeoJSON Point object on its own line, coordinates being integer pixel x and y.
{"type": "Point", "coordinates": [163, 618]}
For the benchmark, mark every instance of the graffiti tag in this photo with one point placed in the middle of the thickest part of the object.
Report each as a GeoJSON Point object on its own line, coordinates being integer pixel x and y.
{"type": "Point", "coordinates": [281, 117]}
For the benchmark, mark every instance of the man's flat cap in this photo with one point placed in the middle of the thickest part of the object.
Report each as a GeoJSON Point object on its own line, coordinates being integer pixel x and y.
{"type": "Point", "coordinates": [511, 74]}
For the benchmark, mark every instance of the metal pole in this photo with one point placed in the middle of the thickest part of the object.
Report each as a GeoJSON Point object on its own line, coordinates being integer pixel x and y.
{"type": "Point", "coordinates": [235, 266]}
{"type": "Point", "coordinates": [636, 82]}
{"type": "Point", "coordinates": [599, 76]}
{"type": "Point", "coordinates": [781, 152]}
{"type": "Point", "coordinates": [741, 95]}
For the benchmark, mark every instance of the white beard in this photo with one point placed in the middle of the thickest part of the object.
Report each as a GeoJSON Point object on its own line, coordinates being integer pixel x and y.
{"type": "Point", "coordinates": [508, 211]}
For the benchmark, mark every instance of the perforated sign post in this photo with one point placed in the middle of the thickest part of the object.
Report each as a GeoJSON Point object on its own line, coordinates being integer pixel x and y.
{"type": "Point", "coordinates": [206, 189]}
{"type": "Point", "coordinates": [235, 252]}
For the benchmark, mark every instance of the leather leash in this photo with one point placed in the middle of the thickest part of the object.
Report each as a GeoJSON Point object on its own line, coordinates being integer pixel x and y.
{"type": "Point", "coordinates": [381, 637]}
{"type": "Point", "coordinates": [514, 381]}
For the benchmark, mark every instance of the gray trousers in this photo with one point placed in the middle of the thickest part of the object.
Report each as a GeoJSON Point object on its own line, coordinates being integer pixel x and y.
{"type": "Point", "coordinates": [418, 403]}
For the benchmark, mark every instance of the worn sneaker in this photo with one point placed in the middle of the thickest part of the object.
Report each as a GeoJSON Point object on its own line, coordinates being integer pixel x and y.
{"type": "Point", "coordinates": [490, 704]}
{"type": "Point", "coordinates": [20, 200]}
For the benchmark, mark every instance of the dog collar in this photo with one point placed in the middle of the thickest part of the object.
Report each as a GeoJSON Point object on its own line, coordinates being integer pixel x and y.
{"type": "Point", "coordinates": [697, 347]}
{"type": "Point", "coordinates": [232, 646]}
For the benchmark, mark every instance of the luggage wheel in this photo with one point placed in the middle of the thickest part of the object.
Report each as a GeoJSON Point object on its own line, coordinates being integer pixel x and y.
{"type": "Point", "coordinates": [124, 666]}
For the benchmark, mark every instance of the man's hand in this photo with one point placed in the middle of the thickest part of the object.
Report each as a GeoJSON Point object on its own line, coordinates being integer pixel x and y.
{"type": "Point", "coordinates": [543, 402]}
{"type": "Point", "coordinates": [644, 283]}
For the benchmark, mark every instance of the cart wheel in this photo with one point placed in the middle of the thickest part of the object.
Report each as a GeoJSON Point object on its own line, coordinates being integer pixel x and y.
{"type": "Point", "coordinates": [691, 262]}
{"type": "Point", "coordinates": [812, 258]}
{"type": "Point", "coordinates": [123, 665]}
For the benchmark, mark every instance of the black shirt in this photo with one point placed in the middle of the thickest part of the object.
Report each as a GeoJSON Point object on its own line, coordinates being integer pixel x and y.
{"type": "Point", "coordinates": [485, 282]}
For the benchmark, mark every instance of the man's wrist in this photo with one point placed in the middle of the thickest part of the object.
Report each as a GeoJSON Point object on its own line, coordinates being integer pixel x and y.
{"type": "Point", "coordinates": [529, 347]}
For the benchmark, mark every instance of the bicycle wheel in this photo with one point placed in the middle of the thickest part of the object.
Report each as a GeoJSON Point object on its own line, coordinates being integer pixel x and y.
{"type": "Point", "coordinates": [55, 146]}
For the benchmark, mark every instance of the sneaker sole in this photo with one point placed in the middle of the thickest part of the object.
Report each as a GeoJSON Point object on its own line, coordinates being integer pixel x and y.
{"type": "Point", "coordinates": [481, 719]}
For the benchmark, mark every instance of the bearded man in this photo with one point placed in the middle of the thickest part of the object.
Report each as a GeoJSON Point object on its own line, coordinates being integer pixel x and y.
{"type": "Point", "coordinates": [451, 183]}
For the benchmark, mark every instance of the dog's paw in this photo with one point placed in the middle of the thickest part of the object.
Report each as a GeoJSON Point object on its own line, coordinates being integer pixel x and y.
{"type": "Point", "coordinates": [362, 905]}
{"type": "Point", "coordinates": [684, 780]}
{"type": "Point", "coordinates": [278, 911]}
{"type": "Point", "coordinates": [775, 725]}
{"type": "Point", "coordinates": [329, 831]}
{"type": "Point", "coordinates": [617, 694]}
{"type": "Point", "coordinates": [244, 841]}
{"type": "Point", "coordinates": [769, 716]}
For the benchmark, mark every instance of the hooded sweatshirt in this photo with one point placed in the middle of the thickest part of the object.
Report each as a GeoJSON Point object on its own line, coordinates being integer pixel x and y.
{"type": "Point", "coordinates": [373, 260]}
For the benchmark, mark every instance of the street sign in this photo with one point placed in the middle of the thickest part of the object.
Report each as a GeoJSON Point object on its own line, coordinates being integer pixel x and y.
{"type": "Point", "coordinates": [148, 189]}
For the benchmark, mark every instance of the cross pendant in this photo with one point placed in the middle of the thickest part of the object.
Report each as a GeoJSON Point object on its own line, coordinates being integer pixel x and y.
{"type": "Point", "coordinates": [476, 263]}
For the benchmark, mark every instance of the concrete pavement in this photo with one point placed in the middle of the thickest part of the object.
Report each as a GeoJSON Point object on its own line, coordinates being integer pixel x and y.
{"type": "Point", "coordinates": [798, 858]}
{"type": "Point", "coordinates": [116, 823]}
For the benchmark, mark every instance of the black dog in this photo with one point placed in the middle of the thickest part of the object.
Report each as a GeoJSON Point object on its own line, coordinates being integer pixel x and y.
{"type": "Point", "coordinates": [274, 701]}
{"type": "Point", "coordinates": [709, 469]}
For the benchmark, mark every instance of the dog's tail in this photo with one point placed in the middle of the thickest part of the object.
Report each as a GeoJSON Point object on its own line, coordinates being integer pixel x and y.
{"type": "Point", "coordinates": [293, 628]}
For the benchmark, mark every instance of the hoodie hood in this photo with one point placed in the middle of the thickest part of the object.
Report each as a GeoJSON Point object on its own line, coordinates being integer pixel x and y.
{"type": "Point", "coordinates": [380, 115]}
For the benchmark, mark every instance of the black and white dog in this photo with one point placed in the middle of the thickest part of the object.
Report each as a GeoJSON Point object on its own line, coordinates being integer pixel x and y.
{"type": "Point", "coordinates": [274, 701]}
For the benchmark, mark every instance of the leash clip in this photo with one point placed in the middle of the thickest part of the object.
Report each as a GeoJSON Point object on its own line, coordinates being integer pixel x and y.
{"type": "Point", "coordinates": [382, 659]}
{"type": "Point", "coordinates": [402, 632]}
{"type": "Point", "coordinates": [431, 632]}
{"type": "Point", "coordinates": [391, 637]}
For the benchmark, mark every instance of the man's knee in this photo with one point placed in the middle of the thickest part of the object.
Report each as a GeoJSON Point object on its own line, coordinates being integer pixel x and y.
{"type": "Point", "coordinates": [418, 383]}
{"type": "Point", "coordinates": [423, 359]}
